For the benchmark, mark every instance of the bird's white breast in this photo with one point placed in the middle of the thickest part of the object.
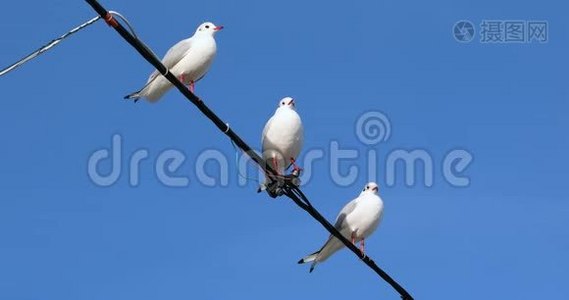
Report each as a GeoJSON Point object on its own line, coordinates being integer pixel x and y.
{"type": "Point", "coordinates": [284, 135]}
{"type": "Point", "coordinates": [367, 215]}
{"type": "Point", "coordinates": [195, 64]}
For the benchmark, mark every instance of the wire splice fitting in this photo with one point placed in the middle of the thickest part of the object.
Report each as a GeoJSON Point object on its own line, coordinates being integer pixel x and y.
{"type": "Point", "coordinates": [110, 20]}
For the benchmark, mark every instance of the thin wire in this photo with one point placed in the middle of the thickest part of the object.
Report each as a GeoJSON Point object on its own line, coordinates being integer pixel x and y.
{"type": "Point", "coordinates": [301, 195]}
{"type": "Point", "coordinates": [237, 164]}
{"type": "Point", "coordinates": [131, 29]}
{"type": "Point", "coordinates": [237, 151]}
{"type": "Point", "coordinates": [48, 46]}
{"type": "Point", "coordinates": [125, 20]}
{"type": "Point", "coordinates": [56, 41]}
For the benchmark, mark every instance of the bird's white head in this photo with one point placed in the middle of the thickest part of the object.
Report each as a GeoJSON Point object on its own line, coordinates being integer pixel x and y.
{"type": "Point", "coordinates": [371, 187]}
{"type": "Point", "coordinates": [287, 102]}
{"type": "Point", "coordinates": [208, 28]}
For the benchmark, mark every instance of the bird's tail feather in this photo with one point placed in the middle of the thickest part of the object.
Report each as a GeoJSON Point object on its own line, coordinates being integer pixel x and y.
{"type": "Point", "coordinates": [262, 187]}
{"type": "Point", "coordinates": [310, 258]}
{"type": "Point", "coordinates": [135, 96]}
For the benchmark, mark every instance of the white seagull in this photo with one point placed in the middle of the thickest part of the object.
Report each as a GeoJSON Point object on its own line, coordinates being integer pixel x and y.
{"type": "Point", "coordinates": [189, 60]}
{"type": "Point", "coordinates": [356, 221]}
{"type": "Point", "coordinates": [283, 137]}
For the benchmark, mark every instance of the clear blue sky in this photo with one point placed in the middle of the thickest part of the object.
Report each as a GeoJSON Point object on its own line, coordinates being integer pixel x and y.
{"type": "Point", "coordinates": [503, 237]}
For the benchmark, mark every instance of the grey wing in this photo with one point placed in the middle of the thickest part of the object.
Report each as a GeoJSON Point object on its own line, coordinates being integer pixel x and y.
{"type": "Point", "coordinates": [267, 126]}
{"type": "Point", "coordinates": [301, 137]}
{"type": "Point", "coordinates": [340, 224]}
{"type": "Point", "coordinates": [174, 55]}
{"type": "Point", "coordinates": [348, 208]}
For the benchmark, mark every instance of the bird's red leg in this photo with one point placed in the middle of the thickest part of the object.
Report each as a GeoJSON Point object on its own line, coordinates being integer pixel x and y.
{"type": "Point", "coordinates": [276, 165]}
{"type": "Point", "coordinates": [190, 86]}
{"type": "Point", "coordinates": [354, 238]}
{"type": "Point", "coordinates": [363, 246]}
{"type": "Point", "coordinates": [294, 166]}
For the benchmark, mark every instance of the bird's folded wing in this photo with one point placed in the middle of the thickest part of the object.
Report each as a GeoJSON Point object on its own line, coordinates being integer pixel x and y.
{"type": "Point", "coordinates": [267, 126]}
{"type": "Point", "coordinates": [341, 219]}
{"type": "Point", "coordinates": [173, 56]}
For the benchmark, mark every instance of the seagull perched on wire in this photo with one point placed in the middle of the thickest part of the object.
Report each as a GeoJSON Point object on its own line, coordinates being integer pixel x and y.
{"type": "Point", "coordinates": [356, 221]}
{"type": "Point", "coordinates": [282, 138]}
{"type": "Point", "coordinates": [189, 60]}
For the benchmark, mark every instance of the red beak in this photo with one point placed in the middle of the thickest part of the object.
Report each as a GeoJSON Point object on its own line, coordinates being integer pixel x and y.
{"type": "Point", "coordinates": [291, 102]}
{"type": "Point", "coordinates": [218, 28]}
{"type": "Point", "coordinates": [375, 189]}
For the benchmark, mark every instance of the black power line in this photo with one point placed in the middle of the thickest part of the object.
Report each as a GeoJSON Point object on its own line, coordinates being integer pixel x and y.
{"type": "Point", "coordinates": [286, 186]}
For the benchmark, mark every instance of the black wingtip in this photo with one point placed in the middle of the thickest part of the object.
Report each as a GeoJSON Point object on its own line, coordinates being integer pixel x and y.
{"type": "Point", "coordinates": [311, 269]}
{"type": "Point", "coordinates": [131, 96]}
{"type": "Point", "coordinates": [301, 261]}
{"type": "Point", "coordinates": [135, 96]}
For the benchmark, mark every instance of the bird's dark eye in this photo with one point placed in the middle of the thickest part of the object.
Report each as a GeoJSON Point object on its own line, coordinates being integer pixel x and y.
{"type": "Point", "coordinates": [207, 26]}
